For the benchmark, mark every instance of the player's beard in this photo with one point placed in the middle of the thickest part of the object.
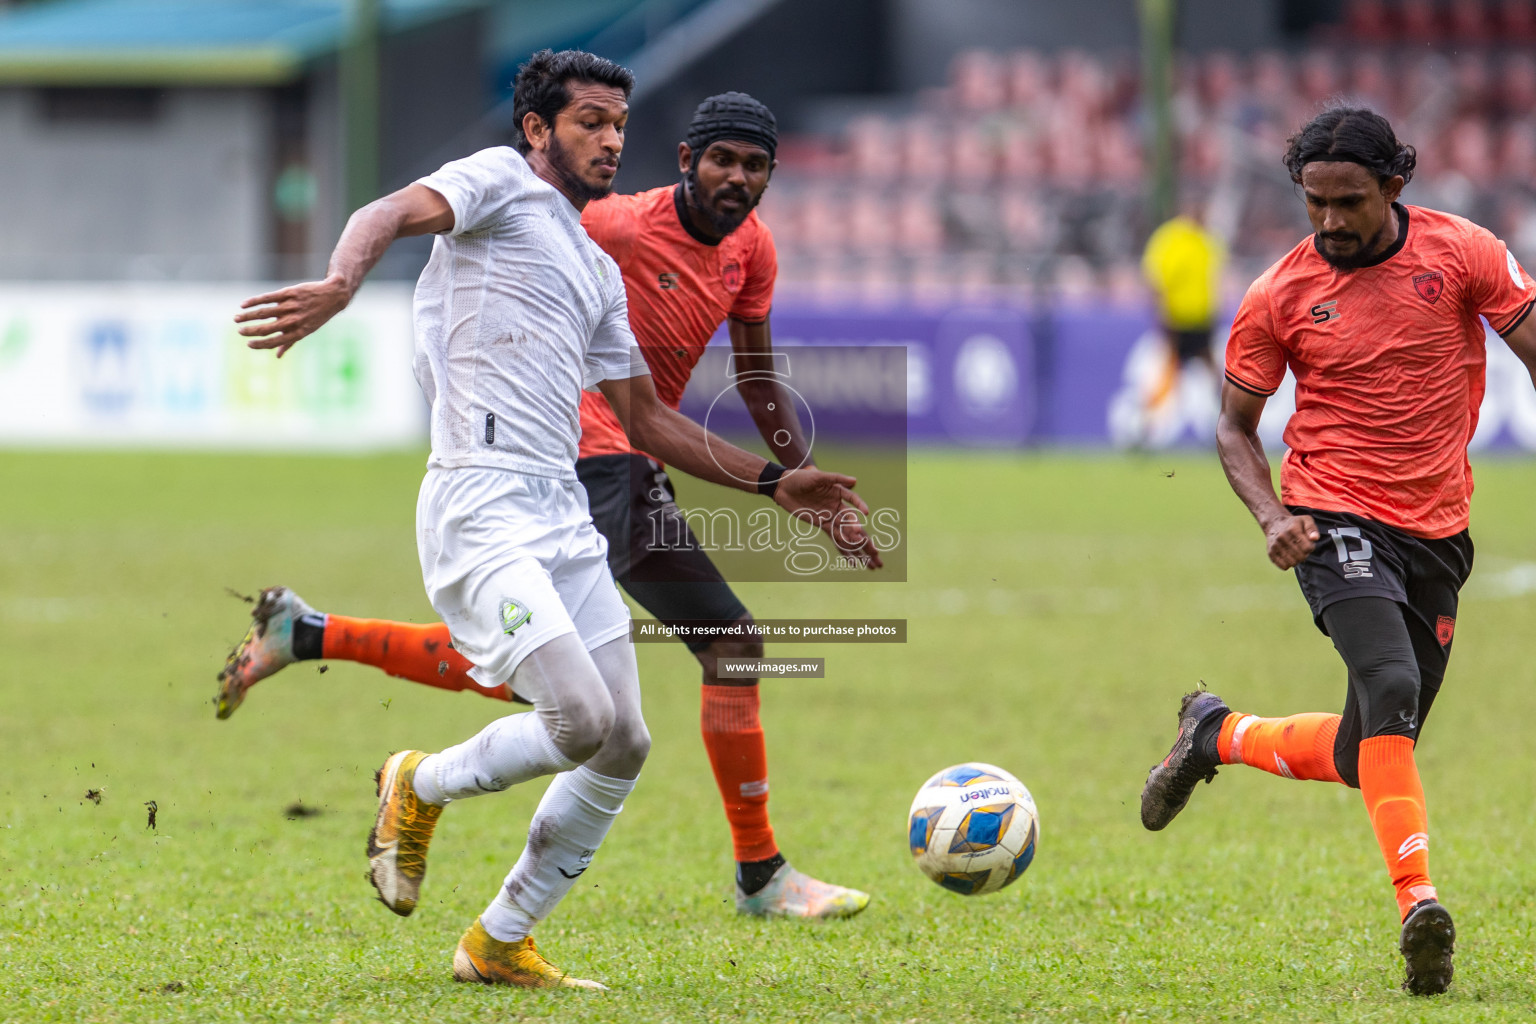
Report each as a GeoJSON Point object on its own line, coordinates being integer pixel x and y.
{"type": "Point", "coordinates": [723, 223]}
{"type": "Point", "coordinates": [1364, 253]}
{"type": "Point", "coordinates": [580, 189]}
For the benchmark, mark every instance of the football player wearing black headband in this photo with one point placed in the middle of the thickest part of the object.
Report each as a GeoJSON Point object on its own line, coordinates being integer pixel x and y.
{"type": "Point", "coordinates": [694, 255]}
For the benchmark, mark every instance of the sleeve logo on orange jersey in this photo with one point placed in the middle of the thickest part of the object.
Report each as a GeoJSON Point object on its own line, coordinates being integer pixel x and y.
{"type": "Point", "coordinates": [1325, 311]}
{"type": "Point", "coordinates": [1514, 269]}
{"type": "Point", "coordinates": [730, 276]}
{"type": "Point", "coordinates": [1429, 286]}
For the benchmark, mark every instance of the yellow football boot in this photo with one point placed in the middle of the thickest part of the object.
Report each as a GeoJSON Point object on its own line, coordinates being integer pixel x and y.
{"type": "Point", "coordinates": [493, 962]}
{"type": "Point", "coordinates": [397, 846]}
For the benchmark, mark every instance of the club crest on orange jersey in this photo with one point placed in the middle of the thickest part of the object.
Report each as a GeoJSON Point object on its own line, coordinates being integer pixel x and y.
{"type": "Point", "coordinates": [1429, 286]}
{"type": "Point", "coordinates": [730, 276]}
{"type": "Point", "coordinates": [1445, 628]}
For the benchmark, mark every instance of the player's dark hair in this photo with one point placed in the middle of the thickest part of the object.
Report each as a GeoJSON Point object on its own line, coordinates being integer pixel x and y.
{"type": "Point", "coordinates": [540, 86]}
{"type": "Point", "coordinates": [1350, 135]}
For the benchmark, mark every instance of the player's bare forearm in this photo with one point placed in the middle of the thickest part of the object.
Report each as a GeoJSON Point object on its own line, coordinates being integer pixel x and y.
{"type": "Point", "coordinates": [679, 441]}
{"type": "Point", "coordinates": [826, 499]}
{"type": "Point", "coordinates": [368, 235]}
{"type": "Point", "coordinates": [675, 439]}
{"type": "Point", "coordinates": [1522, 341]}
{"type": "Point", "coordinates": [282, 318]}
{"type": "Point", "coordinates": [1289, 538]}
{"type": "Point", "coordinates": [767, 399]}
{"type": "Point", "coordinates": [1247, 469]}
{"type": "Point", "coordinates": [773, 410]}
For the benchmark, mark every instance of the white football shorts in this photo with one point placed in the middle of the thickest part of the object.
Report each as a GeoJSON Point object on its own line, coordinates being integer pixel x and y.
{"type": "Point", "coordinates": [510, 562]}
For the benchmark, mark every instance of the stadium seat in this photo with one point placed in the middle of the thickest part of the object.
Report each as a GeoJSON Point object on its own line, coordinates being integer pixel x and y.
{"type": "Point", "coordinates": [978, 82]}
{"type": "Point", "coordinates": [1419, 21]}
{"type": "Point", "coordinates": [1369, 21]}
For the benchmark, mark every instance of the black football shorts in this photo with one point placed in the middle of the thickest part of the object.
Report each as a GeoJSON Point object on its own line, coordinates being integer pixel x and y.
{"type": "Point", "coordinates": [652, 552]}
{"type": "Point", "coordinates": [1359, 557]}
{"type": "Point", "coordinates": [1192, 343]}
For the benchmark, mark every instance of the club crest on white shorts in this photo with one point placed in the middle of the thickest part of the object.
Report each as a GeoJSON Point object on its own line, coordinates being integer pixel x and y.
{"type": "Point", "coordinates": [513, 615]}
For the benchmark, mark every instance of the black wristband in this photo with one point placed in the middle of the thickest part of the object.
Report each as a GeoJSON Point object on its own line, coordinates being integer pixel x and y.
{"type": "Point", "coordinates": [768, 479]}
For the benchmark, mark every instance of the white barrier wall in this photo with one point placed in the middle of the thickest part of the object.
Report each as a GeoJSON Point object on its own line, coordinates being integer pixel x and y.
{"type": "Point", "coordinates": [161, 365]}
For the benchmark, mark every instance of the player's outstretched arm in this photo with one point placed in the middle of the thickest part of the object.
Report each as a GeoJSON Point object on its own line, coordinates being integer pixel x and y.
{"type": "Point", "coordinates": [1289, 538]}
{"type": "Point", "coordinates": [809, 493]}
{"type": "Point", "coordinates": [765, 395]}
{"type": "Point", "coordinates": [280, 319]}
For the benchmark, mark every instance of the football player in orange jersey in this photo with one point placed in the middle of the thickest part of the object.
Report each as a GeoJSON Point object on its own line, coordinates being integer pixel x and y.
{"type": "Point", "coordinates": [693, 255]}
{"type": "Point", "coordinates": [1379, 314]}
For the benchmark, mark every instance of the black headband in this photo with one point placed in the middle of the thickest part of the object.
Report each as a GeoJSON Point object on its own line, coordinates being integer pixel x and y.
{"type": "Point", "coordinates": [735, 116]}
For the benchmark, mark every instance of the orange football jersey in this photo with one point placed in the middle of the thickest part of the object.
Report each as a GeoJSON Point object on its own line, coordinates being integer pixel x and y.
{"type": "Point", "coordinates": [1389, 362]}
{"type": "Point", "coordinates": [680, 289]}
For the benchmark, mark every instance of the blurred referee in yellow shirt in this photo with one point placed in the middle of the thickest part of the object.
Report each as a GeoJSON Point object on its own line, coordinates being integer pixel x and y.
{"type": "Point", "coordinates": [1182, 265]}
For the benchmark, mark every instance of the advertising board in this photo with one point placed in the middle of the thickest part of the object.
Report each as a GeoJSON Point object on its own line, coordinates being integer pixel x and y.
{"type": "Point", "coordinates": [161, 365]}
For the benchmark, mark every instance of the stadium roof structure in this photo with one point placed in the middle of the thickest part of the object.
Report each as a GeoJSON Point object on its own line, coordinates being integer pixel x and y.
{"type": "Point", "coordinates": [186, 42]}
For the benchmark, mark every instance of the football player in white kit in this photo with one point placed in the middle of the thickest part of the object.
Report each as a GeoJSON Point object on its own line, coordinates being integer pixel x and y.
{"type": "Point", "coordinates": [517, 312]}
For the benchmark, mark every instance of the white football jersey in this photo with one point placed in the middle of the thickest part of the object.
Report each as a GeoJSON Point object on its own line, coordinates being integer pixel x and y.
{"type": "Point", "coordinates": [516, 312]}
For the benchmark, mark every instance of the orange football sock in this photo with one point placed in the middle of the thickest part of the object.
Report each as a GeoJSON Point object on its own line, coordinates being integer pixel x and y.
{"type": "Point", "coordinates": [733, 736]}
{"type": "Point", "coordinates": [1394, 798]}
{"type": "Point", "coordinates": [404, 650]}
{"type": "Point", "coordinates": [1298, 747]}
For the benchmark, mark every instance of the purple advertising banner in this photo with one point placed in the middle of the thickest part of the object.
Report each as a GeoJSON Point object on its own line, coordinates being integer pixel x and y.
{"type": "Point", "coordinates": [1011, 376]}
{"type": "Point", "coordinates": [1087, 359]}
{"type": "Point", "coordinates": [964, 376]}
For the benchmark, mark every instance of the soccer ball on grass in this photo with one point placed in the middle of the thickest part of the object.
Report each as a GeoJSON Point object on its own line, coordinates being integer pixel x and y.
{"type": "Point", "coordinates": [973, 828]}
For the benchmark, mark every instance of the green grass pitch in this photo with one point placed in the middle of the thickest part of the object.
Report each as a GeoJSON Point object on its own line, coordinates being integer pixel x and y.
{"type": "Point", "coordinates": [1058, 607]}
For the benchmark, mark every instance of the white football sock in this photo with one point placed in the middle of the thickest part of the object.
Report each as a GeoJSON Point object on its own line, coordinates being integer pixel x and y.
{"type": "Point", "coordinates": [569, 826]}
{"type": "Point", "coordinates": [508, 751]}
